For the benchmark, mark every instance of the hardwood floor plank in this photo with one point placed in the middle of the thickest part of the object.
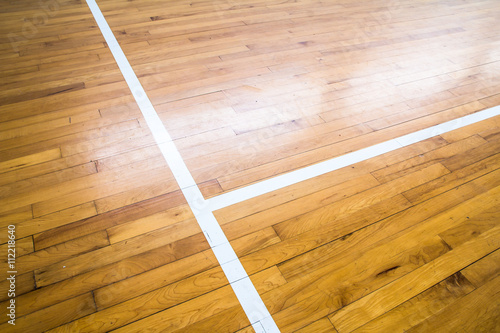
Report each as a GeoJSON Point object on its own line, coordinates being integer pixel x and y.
{"type": "Point", "coordinates": [486, 151]}
{"type": "Point", "coordinates": [75, 133]}
{"type": "Point", "coordinates": [77, 115]}
{"type": "Point", "coordinates": [327, 180]}
{"type": "Point", "coordinates": [79, 191]}
{"type": "Point", "coordinates": [49, 179]}
{"type": "Point", "coordinates": [14, 217]}
{"type": "Point", "coordinates": [56, 253]}
{"type": "Point", "coordinates": [483, 270]}
{"type": "Point", "coordinates": [33, 159]}
{"type": "Point", "coordinates": [197, 309]}
{"type": "Point", "coordinates": [141, 226]}
{"type": "Point", "coordinates": [470, 130]}
{"type": "Point", "coordinates": [326, 152]}
{"type": "Point", "coordinates": [416, 310]}
{"type": "Point", "coordinates": [228, 320]}
{"type": "Point", "coordinates": [472, 312]}
{"type": "Point", "coordinates": [135, 195]}
{"type": "Point", "coordinates": [25, 283]}
{"type": "Point", "coordinates": [329, 213]}
{"type": "Point", "coordinates": [321, 326]}
{"type": "Point", "coordinates": [115, 252]}
{"type": "Point", "coordinates": [29, 95]}
{"type": "Point", "coordinates": [426, 191]}
{"type": "Point", "coordinates": [157, 300]}
{"type": "Point", "coordinates": [44, 320]}
{"type": "Point", "coordinates": [100, 277]}
{"type": "Point", "coordinates": [70, 231]}
{"type": "Point", "coordinates": [24, 246]}
{"type": "Point", "coordinates": [397, 292]}
{"type": "Point", "coordinates": [289, 248]}
{"type": "Point", "coordinates": [148, 281]}
{"type": "Point", "coordinates": [64, 101]}
{"type": "Point", "coordinates": [473, 226]}
{"type": "Point", "coordinates": [423, 160]}
{"type": "Point", "coordinates": [16, 129]}
{"type": "Point", "coordinates": [57, 219]}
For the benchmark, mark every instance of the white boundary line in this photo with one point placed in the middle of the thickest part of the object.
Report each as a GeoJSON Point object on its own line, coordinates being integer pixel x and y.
{"type": "Point", "coordinates": [245, 291]}
{"type": "Point", "coordinates": [293, 177]}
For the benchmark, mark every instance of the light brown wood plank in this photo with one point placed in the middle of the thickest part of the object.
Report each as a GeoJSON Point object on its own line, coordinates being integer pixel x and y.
{"type": "Point", "coordinates": [70, 231]}
{"type": "Point", "coordinates": [115, 252]}
{"type": "Point", "coordinates": [421, 161]}
{"type": "Point", "coordinates": [328, 213]}
{"type": "Point", "coordinates": [447, 182]}
{"type": "Point", "coordinates": [44, 319]}
{"type": "Point", "coordinates": [321, 326]}
{"type": "Point", "coordinates": [153, 279]}
{"type": "Point", "coordinates": [51, 221]}
{"type": "Point", "coordinates": [203, 307]}
{"type": "Point", "coordinates": [397, 292]}
{"type": "Point", "coordinates": [33, 159]}
{"type": "Point", "coordinates": [15, 216]}
{"type": "Point", "coordinates": [49, 179]}
{"type": "Point", "coordinates": [159, 299]}
{"type": "Point", "coordinates": [483, 270]}
{"type": "Point", "coordinates": [152, 222]}
{"type": "Point", "coordinates": [107, 275]}
{"type": "Point", "coordinates": [62, 251]}
{"type": "Point", "coordinates": [472, 312]}
{"type": "Point", "coordinates": [417, 309]}
{"type": "Point", "coordinates": [25, 283]}
{"type": "Point", "coordinates": [24, 246]}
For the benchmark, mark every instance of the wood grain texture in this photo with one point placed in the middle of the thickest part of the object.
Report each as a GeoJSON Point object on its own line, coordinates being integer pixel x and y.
{"type": "Point", "coordinates": [406, 241]}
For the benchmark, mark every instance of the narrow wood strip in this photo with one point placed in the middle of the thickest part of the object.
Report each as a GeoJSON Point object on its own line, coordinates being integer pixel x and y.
{"type": "Point", "coordinates": [33, 159]}
{"type": "Point", "coordinates": [131, 229]}
{"type": "Point", "coordinates": [320, 326]}
{"type": "Point", "coordinates": [474, 311]}
{"type": "Point", "coordinates": [29, 95]}
{"type": "Point", "coordinates": [55, 220]}
{"type": "Point", "coordinates": [395, 293]}
{"type": "Point", "coordinates": [483, 270]}
{"type": "Point", "coordinates": [115, 252]}
{"type": "Point", "coordinates": [44, 319]}
{"type": "Point", "coordinates": [421, 307]}
{"type": "Point", "coordinates": [62, 251]}
{"type": "Point", "coordinates": [160, 277]}
{"type": "Point", "coordinates": [25, 283]}
{"type": "Point", "coordinates": [24, 246]}
{"type": "Point", "coordinates": [68, 231]}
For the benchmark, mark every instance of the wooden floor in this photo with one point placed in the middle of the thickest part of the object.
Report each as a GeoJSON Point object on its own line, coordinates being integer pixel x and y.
{"type": "Point", "coordinates": [105, 241]}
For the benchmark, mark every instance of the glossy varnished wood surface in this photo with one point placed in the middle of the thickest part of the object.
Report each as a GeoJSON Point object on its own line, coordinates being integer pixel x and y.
{"type": "Point", "coordinates": [407, 241]}
{"type": "Point", "coordinates": [391, 244]}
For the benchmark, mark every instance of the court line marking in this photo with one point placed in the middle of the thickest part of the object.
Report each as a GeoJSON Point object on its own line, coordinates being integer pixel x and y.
{"type": "Point", "coordinates": [203, 209]}
{"type": "Point", "coordinates": [245, 291]}
{"type": "Point", "coordinates": [293, 177]}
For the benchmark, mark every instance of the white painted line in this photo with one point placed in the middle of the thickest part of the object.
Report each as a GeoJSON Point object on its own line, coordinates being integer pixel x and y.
{"type": "Point", "coordinates": [234, 271]}
{"type": "Point", "coordinates": [287, 179]}
{"type": "Point", "coordinates": [256, 311]}
{"type": "Point", "coordinates": [245, 291]}
{"type": "Point", "coordinates": [448, 126]}
{"type": "Point", "coordinates": [309, 172]}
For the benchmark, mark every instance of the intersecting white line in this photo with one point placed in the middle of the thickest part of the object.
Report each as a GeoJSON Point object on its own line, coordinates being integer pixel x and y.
{"type": "Point", "coordinates": [245, 291]}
